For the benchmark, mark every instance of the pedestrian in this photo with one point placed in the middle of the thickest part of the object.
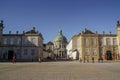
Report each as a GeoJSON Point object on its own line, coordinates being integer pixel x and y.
{"type": "Point", "coordinates": [39, 60]}
{"type": "Point", "coordinates": [80, 60]}
{"type": "Point", "coordinates": [14, 60]}
{"type": "Point", "coordinates": [84, 59]}
{"type": "Point", "coordinates": [88, 60]}
{"type": "Point", "coordinates": [92, 59]}
{"type": "Point", "coordinates": [102, 60]}
{"type": "Point", "coordinates": [99, 60]}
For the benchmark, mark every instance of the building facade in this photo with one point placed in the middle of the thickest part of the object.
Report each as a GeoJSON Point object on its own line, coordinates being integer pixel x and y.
{"type": "Point", "coordinates": [72, 52]}
{"type": "Point", "coordinates": [48, 51]}
{"type": "Point", "coordinates": [93, 45]}
{"type": "Point", "coordinates": [25, 47]}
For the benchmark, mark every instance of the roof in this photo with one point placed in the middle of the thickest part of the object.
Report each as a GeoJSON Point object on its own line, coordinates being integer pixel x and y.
{"type": "Point", "coordinates": [107, 35]}
{"type": "Point", "coordinates": [60, 37]}
{"type": "Point", "coordinates": [32, 31]}
{"type": "Point", "coordinates": [86, 31]}
{"type": "Point", "coordinates": [49, 43]}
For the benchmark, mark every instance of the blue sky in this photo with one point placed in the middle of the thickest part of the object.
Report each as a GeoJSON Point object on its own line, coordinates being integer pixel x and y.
{"type": "Point", "coordinates": [72, 16]}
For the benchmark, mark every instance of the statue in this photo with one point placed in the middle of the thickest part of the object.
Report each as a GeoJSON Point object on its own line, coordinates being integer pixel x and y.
{"type": "Point", "coordinates": [117, 22]}
{"type": "Point", "coordinates": [1, 24]}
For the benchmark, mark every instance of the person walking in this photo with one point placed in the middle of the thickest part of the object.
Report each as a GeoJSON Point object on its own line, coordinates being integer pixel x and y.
{"type": "Point", "coordinates": [14, 60]}
{"type": "Point", "coordinates": [39, 60]}
{"type": "Point", "coordinates": [84, 60]}
{"type": "Point", "coordinates": [92, 59]}
{"type": "Point", "coordinates": [80, 60]}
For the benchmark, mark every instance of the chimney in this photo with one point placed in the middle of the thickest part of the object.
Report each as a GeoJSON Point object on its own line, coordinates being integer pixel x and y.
{"type": "Point", "coordinates": [16, 32]}
{"type": "Point", "coordinates": [34, 28]}
{"type": "Point", "coordinates": [9, 32]}
{"type": "Point", "coordinates": [118, 23]}
{"type": "Point", "coordinates": [103, 32]}
{"type": "Point", "coordinates": [1, 21]}
{"type": "Point", "coordinates": [110, 32]}
{"type": "Point", "coordinates": [96, 32]}
{"type": "Point", "coordinates": [23, 32]}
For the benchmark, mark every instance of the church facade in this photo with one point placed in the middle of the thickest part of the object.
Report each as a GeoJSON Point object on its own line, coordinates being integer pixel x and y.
{"type": "Point", "coordinates": [25, 47]}
{"type": "Point", "coordinates": [56, 50]}
{"type": "Point", "coordinates": [60, 43]}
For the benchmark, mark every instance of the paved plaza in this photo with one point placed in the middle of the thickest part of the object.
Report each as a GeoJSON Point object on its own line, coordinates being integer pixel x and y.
{"type": "Point", "coordinates": [60, 71]}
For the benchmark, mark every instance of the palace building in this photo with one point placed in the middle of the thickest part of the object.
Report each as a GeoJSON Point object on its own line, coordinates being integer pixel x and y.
{"type": "Point", "coordinates": [25, 47]}
{"type": "Point", "coordinates": [88, 45]}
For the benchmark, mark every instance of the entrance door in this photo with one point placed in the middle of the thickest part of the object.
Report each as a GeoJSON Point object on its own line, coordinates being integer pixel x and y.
{"type": "Point", "coordinates": [109, 55]}
{"type": "Point", "coordinates": [10, 54]}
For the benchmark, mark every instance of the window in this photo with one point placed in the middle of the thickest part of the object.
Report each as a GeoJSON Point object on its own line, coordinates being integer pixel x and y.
{"type": "Point", "coordinates": [18, 41]}
{"type": "Point", "coordinates": [5, 41]}
{"type": "Point", "coordinates": [115, 51]}
{"type": "Point", "coordinates": [101, 51]}
{"type": "Point", "coordinates": [86, 42]}
{"type": "Point", "coordinates": [26, 41]}
{"type": "Point", "coordinates": [108, 42]}
{"type": "Point", "coordinates": [94, 52]}
{"type": "Point", "coordinates": [49, 47]}
{"type": "Point", "coordinates": [114, 41]}
{"type": "Point", "coordinates": [64, 46]}
{"type": "Point", "coordinates": [33, 40]}
{"type": "Point", "coordinates": [18, 52]}
{"type": "Point", "coordinates": [32, 52]}
{"type": "Point", "coordinates": [101, 41]}
{"type": "Point", "coordinates": [25, 51]}
{"type": "Point", "coordinates": [94, 41]}
{"type": "Point", "coordinates": [59, 46]}
{"type": "Point", "coordinates": [11, 41]}
{"type": "Point", "coordinates": [87, 51]}
{"type": "Point", "coordinates": [8, 41]}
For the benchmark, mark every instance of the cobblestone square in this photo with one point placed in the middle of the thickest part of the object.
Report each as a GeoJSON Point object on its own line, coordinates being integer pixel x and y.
{"type": "Point", "coordinates": [60, 71]}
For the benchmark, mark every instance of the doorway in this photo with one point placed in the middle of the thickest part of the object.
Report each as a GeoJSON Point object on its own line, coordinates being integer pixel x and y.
{"type": "Point", "coordinates": [10, 54]}
{"type": "Point", "coordinates": [109, 55]}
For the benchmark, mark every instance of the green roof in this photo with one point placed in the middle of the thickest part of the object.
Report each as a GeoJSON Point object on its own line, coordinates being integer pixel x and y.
{"type": "Point", "coordinates": [60, 37]}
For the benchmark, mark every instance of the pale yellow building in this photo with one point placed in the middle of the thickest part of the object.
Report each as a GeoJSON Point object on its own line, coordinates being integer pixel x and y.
{"type": "Point", "coordinates": [93, 45]}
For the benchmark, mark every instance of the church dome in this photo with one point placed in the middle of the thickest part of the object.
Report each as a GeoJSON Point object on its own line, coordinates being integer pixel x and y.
{"type": "Point", "coordinates": [60, 37]}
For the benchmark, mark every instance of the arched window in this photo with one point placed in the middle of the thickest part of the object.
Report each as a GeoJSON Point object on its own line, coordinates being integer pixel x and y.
{"type": "Point", "coordinates": [5, 41]}
{"type": "Point", "coordinates": [86, 42]}
{"type": "Point", "coordinates": [25, 51]}
{"type": "Point", "coordinates": [101, 51]}
{"type": "Point", "coordinates": [100, 41]}
{"type": "Point", "coordinates": [18, 41]}
{"type": "Point", "coordinates": [11, 41]}
{"type": "Point", "coordinates": [114, 41]}
{"type": "Point", "coordinates": [87, 51]}
{"type": "Point", "coordinates": [108, 41]}
{"type": "Point", "coordinates": [94, 52]}
{"type": "Point", "coordinates": [94, 41]}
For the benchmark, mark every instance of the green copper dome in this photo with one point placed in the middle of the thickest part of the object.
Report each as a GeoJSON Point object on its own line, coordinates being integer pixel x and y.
{"type": "Point", "coordinates": [60, 37]}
